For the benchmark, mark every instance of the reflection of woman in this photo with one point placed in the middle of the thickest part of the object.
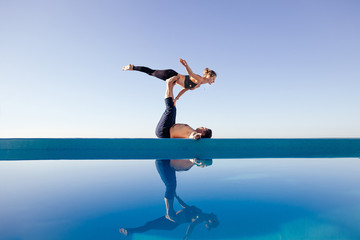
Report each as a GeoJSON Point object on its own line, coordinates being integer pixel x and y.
{"type": "Point", "coordinates": [195, 216]}
{"type": "Point", "coordinates": [188, 214]}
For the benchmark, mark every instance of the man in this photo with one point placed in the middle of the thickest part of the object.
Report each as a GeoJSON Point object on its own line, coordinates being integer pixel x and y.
{"type": "Point", "coordinates": [167, 128]}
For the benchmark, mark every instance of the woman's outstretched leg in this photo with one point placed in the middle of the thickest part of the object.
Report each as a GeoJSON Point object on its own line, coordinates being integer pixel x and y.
{"type": "Point", "coordinates": [161, 74]}
{"type": "Point", "coordinates": [160, 223]}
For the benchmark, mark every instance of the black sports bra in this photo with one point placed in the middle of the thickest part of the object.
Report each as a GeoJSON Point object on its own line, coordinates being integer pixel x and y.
{"type": "Point", "coordinates": [188, 83]}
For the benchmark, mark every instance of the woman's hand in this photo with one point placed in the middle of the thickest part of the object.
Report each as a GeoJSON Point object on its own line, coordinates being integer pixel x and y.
{"type": "Point", "coordinates": [183, 62]}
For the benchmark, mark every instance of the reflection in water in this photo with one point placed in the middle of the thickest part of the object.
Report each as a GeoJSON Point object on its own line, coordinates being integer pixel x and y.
{"type": "Point", "coordinates": [188, 214]}
{"type": "Point", "coordinates": [317, 199]}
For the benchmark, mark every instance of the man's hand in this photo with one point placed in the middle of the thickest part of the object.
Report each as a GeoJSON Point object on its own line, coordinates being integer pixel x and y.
{"type": "Point", "coordinates": [195, 135]}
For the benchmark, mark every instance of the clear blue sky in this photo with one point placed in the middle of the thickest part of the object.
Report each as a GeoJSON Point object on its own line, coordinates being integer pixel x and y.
{"type": "Point", "coordinates": [285, 68]}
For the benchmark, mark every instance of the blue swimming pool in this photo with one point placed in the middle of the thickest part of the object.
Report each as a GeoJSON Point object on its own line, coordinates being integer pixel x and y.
{"type": "Point", "coordinates": [251, 198]}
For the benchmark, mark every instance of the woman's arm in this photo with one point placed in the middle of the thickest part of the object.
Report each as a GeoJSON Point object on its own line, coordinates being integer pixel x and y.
{"type": "Point", "coordinates": [188, 69]}
{"type": "Point", "coordinates": [192, 225]}
{"type": "Point", "coordinates": [190, 72]}
{"type": "Point", "coordinates": [181, 202]}
{"type": "Point", "coordinates": [180, 94]}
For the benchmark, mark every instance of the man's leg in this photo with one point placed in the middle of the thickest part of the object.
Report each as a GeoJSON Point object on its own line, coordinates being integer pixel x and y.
{"type": "Point", "coordinates": [170, 83]}
{"type": "Point", "coordinates": [168, 176]}
{"type": "Point", "coordinates": [168, 118]}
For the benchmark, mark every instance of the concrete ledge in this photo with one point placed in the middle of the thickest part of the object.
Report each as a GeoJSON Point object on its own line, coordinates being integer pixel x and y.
{"type": "Point", "coordinates": [148, 148]}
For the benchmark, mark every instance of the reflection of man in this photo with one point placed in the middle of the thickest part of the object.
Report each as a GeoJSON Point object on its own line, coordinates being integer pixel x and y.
{"type": "Point", "coordinates": [167, 128]}
{"type": "Point", "coordinates": [167, 171]}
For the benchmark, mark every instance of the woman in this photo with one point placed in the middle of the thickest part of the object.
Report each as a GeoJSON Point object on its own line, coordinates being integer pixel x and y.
{"type": "Point", "coordinates": [191, 81]}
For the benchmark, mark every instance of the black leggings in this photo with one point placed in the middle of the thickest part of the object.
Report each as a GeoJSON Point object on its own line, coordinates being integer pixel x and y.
{"type": "Point", "coordinates": [162, 74]}
{"type": "Point", "coordinates": [167, 120]}
{"type": "Point", "coordinates": [160, 223]}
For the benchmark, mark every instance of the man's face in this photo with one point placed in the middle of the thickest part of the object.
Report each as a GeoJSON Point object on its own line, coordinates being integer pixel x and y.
{"type": "Point", "coordinates": [201, 130]}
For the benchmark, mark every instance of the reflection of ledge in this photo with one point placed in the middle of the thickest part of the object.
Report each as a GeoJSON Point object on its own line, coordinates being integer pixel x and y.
{"type": "Point", "coordinates": [149, 148]}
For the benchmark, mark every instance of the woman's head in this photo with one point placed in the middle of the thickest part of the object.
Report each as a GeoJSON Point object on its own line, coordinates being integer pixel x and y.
{"type": "Point", "coordinates": [209, 75]}
{"type": "Point", "coordinates": [212, 221]}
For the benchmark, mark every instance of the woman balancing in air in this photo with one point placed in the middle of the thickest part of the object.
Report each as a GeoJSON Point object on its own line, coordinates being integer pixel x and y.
{"type": "Point", "coordinates": [187, 82]}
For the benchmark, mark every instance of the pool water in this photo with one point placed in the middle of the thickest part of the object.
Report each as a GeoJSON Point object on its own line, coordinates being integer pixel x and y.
{"type": "Point", "coordinates": [252, 199]}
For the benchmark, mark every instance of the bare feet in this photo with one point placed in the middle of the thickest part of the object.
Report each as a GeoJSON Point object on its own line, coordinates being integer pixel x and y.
{"type": "Point", "coordinates": [171, 216]}
{"type": "Point", "coordinates": [123, 231]}
{"type": "Point", "coordinates": [172, 80]}
{"type": "Point", "coordinates": [128, 67]}
{"type": "Point", "coordinates": [125, 234]}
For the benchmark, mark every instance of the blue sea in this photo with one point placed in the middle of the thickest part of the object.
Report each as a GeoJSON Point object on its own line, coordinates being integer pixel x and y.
{"type": "Point", "coordinates": [252, 199]}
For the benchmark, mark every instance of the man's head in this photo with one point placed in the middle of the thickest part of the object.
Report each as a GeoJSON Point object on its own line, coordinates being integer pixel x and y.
{"type": "Point", "coordinates": [203, 162]}
{"type": "Point", "coordinates": [205, 132]}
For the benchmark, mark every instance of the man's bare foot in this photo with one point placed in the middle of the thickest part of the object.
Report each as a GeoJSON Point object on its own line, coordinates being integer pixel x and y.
{"type": "Point", "coordinates": [128, 67]}
{"type": "Point", "coordinates": [172, 80]}
{"type": "Point", "coordinates": [171, 217]}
